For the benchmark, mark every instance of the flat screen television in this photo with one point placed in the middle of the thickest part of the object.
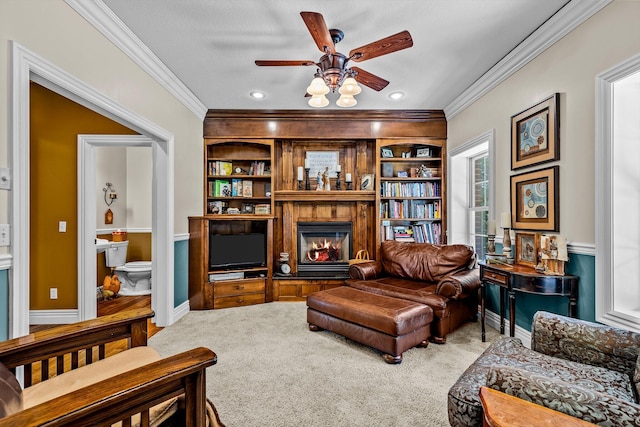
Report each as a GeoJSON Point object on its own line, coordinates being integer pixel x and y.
{"type": "Point", "coordinates": [228, 251]}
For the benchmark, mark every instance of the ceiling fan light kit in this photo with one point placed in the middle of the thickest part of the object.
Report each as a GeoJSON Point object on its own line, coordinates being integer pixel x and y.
{"type": "Point", "coordinates": [318, 101]}
{"type": "Point", "coordinates": [332, 73]}
{"type": "Point", "coordinates": [346, 101]}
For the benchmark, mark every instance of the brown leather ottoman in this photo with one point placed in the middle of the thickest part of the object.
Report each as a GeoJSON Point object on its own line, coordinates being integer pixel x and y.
{"type": "Point", "coordinates": [391, 325]}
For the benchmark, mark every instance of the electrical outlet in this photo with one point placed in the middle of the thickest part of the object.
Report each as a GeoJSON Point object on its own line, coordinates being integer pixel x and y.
{"type": "Point", "coordinates": [53, 293]}
{"type": "Point", "coordinates": [62, 226]}
{"type": "Point", "coordinates": [4, 235]}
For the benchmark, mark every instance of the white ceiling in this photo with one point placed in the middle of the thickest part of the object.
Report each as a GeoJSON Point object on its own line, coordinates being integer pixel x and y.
{"type": "Point", "coordinates": [211, 45]}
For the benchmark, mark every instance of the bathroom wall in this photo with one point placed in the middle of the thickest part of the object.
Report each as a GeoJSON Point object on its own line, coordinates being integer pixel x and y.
{"type": "Point", "coordinates": [111, 166]}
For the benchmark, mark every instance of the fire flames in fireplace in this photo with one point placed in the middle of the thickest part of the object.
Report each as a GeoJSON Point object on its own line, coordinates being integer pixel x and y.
{"type": "Point", "coordinates": [324, 251]}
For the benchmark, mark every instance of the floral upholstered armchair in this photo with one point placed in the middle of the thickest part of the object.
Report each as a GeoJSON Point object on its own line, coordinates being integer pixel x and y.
{"type": "Point", "coordinates": [586, 370]}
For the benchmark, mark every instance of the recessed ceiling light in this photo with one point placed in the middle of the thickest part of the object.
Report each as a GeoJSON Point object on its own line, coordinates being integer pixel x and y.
{"type": "Point", "coordinates": [257, 94]}
{"type": "Point", "coordinates": [396, 95]}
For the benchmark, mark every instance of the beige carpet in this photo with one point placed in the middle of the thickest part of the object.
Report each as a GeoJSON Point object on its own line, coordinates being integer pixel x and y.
{"type": "Point", "coordinates": [273, 371]}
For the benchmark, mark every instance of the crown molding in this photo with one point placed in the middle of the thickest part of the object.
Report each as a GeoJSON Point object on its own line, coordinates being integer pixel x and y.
{"type": "Point", "coordinates": [112, 27]}
{"type": "Point", "coordinates": [562, 23]}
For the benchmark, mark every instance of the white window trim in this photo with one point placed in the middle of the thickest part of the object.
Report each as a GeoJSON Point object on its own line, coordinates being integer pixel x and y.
{"type": "Point", "coordinates": [605, 310]}
{"type": "Point", "coordinates": [454, 204]}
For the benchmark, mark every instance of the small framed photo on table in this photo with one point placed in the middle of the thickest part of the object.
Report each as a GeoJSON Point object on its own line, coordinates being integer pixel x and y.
{"type": "Point", "coordinates": [527, 247]}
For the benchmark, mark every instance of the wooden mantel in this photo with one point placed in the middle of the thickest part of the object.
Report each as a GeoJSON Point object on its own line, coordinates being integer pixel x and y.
{"type": "Point", "coordinates": [326, 124]}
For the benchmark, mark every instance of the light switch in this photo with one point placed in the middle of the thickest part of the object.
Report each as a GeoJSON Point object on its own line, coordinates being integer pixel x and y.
{"type": "Point", "coordinates": [62, 226]}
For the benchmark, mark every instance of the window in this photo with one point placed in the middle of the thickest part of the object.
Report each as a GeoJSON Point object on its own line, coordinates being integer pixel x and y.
{"type": "Point", "coordinates": [618, 194]}
{"type": "Point", "coordinates": [471, 189]}
{"type": "Point", "coordinates": [478, 209]}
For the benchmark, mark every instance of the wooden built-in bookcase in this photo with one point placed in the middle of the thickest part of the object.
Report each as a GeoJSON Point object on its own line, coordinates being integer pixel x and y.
{"type": "Point", "coordinates": [280, 140]}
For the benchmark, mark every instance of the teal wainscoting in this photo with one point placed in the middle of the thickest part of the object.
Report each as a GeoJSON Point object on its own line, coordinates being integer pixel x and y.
{"type": "Point", "coordinates": [181, 272]}
{"type": "Point", "coordinates": [4, 305]}
{"type": "Point", "coordinates": [579, 265]}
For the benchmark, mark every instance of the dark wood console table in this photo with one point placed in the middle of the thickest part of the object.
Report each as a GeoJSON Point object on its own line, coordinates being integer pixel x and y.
{"type": "Point", "coordinates": [512, 278]}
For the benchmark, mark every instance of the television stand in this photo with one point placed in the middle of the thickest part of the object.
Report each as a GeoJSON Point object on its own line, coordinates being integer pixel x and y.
{"type": "Point", "coordinates": [228, 287]}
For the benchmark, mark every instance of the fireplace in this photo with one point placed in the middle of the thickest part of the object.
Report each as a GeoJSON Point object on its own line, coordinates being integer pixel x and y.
{"type": "Point", "coordinates": [324, 247]}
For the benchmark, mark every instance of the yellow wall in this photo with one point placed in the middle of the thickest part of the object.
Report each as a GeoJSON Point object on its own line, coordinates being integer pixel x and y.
{"type": "Point", "coordinates": [55, 124]}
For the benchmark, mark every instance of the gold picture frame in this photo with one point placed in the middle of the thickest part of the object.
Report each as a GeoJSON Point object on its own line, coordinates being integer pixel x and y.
{"type": "Point", "coordinates": [527, 247]}
{"type": "Point", "coordinates": [535, 200]}
{"type": "Point", "coordinates": [535, 136]}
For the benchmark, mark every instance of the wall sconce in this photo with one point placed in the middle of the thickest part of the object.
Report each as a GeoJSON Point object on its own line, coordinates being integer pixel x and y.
{"type": "Point", "coordinates": [110, 194]}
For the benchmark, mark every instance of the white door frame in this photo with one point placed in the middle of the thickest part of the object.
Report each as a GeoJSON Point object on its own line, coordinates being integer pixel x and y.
{"type": "Point", "coordinates": [26, 66]}
{"type": "Point", "coordinates": [87, 267]}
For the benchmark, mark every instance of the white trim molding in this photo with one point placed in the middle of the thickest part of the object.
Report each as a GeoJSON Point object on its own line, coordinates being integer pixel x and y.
{"type": "Point", "coordinates": [26, 66]}
{"type": "Point", "coordinates": [181, 310]}
{"type": "Point", "coordinates": [562, 23]}
{"type": "Point", "coordinates": [53, 317]}
{"type": "Point", "coordinates": [605, 202]}
{"type": "Point", "coordinates": [493, 320]}
{"type": "Point", "coordinates": [6, 261]}
{"type": "Point", "coordinates": [112, 27]}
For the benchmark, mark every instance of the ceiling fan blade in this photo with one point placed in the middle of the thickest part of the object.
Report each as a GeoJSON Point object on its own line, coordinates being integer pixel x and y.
{"type": "Point", "coordinates": [390, 44]}
{"type": "Point", "coordinates": [282, 63]}
{"type": "Point", "coordinates": [318, 29]}
{"type": "Point", "coordinates": [370, 80]}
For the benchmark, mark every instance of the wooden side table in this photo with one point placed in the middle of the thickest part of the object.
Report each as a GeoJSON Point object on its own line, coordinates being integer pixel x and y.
{"type": "Point", "coordinates": [512, 278]}
{"type": "Point", "coordinates": [503, 410]}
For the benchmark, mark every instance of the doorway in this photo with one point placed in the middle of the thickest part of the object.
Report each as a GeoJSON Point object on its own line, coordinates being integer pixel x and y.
{"type": "Point", "coordinates": [26, 67]}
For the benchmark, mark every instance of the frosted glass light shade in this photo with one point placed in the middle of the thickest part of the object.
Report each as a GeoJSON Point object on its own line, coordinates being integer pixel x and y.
{"type": "Point", "coordinates": [349, 87]}
{"type": "Point", "coordinates": [346, 101]}
{"type": "Point", "coordinates": [318, 87]}
{"type": "Point", "coordinates": [318, 101]}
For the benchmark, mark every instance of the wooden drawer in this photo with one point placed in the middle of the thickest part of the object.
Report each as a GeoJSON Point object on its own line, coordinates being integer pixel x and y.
{"type": "Point", "coordinates": [494, 277]}
{"type": "Point", "coordinates": [238, 300]}
{"type": "Point", "coordinates": [238, 287]}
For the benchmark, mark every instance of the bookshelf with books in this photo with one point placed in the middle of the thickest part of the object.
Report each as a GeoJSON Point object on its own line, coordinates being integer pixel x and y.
{"type": "Point", "coordinates": [410, 197]}
{"type": "Point", "coordinates": [238, 178]}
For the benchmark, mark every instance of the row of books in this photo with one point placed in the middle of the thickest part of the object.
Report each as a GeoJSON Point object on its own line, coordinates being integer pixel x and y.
{"type": "Point", "coordinates": [225, 168]}
{"type": "Point", "coordinates": [410, 189]}
{"type": "Point", "coordinates": [420, 232]}
{"type": "Point", "coordinates": [233, 188]}
{"type": "Point", "coordinates": [410, 209]}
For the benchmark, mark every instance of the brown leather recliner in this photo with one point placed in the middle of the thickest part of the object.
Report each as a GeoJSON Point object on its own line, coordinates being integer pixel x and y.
{"type": "Point", "coordinates": [443, 277]}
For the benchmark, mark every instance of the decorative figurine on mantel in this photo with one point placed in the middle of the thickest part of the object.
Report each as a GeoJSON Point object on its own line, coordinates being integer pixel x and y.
{"type": "Point", "coordinates": [326, 184]}
{"type": "Point", "coordinates": [319, 181]}
{"type": "Point", "coordinates": [553, 255]}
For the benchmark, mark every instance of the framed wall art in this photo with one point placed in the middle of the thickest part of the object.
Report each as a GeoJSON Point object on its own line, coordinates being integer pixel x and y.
{"type": "Point", "coordinates": [535, 134]}
{"type": "Point", "coordinates": [535, 200]}
{"type": "Point", "coordinates": [527, 246]}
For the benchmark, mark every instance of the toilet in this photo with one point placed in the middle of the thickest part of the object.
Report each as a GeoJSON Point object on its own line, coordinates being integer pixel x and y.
{"type": "Point", "coordinates": [135, 276]}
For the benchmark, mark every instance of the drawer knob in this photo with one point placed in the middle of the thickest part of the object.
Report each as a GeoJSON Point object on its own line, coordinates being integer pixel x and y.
{"type": "Point", "coordinates": [240, 300]}
{"type": "Point", "coordinates": [239, 287]}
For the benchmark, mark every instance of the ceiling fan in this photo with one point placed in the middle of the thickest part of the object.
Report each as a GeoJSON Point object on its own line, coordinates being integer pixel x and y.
{"type": "Point", "coordinates": [332, 72]}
